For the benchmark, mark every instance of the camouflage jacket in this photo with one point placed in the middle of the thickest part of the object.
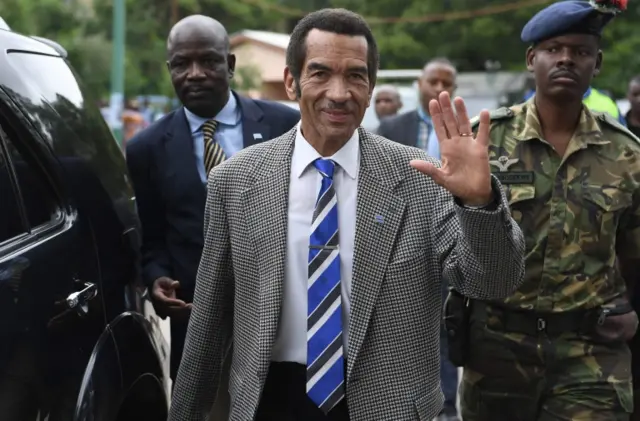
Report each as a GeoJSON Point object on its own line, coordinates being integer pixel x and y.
{"type": "Point", "coordinates": [577, 212]}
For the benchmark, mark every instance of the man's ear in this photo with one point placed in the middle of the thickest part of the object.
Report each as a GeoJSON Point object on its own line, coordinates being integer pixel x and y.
{"type": "Point", "coordinates": [290, 85]}
{"type": "Point", "coordinates": [529, 58]}
{"type": "Point", "coordinates": [596, 71]}
{"type": "Point", "coordinates": [372, 86]}
{"type": "Point", "coordinates": [168, 66]}
{"type": "Point", "coordinates": [231, 62]}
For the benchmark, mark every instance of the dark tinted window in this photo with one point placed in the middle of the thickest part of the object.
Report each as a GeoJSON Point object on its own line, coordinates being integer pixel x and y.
{"type": "Point", "coordinates": [10, 223]}
{"type": "Point", "coordinates": [36, 194]}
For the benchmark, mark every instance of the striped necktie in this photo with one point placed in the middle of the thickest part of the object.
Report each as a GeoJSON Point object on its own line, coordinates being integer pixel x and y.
{"type": "Point", "coordinates": [325, 359]}
{"type": "Point", "coordinates": [213, 153]}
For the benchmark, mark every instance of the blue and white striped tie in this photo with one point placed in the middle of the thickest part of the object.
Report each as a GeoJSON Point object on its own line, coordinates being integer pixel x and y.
{"type": "Point", "coordinates": [325, 359]}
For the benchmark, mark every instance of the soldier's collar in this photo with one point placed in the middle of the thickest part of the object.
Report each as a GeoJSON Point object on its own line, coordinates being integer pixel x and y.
{"type": "Point", "coordinates": [587, 132]}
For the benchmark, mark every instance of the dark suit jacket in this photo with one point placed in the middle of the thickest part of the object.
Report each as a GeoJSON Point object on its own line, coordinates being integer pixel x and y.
{"type": "Point", "coordinates": [402, 128]}
{"type": "Point", "coordinates": [170, 194]}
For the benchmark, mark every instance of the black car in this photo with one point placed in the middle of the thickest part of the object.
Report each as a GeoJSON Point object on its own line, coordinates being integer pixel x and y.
{"type": "Point", "coordinates": [74, 342]}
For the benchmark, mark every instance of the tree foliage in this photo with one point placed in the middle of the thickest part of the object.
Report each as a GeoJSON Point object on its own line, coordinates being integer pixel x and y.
{"type": "Point", "coordinates": [84, 28]}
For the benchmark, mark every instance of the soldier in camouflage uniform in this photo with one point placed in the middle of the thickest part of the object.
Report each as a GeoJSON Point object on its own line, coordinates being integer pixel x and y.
{"type": "Point", "coordinates": [555, 349]}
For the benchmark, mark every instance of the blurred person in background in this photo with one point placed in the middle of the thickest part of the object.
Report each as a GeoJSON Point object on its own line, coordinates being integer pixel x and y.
{"type": "Point", "coordinates": [415, 128]}
{"type": "Point", "coordinates": [387, 101]}
{"type": "Point", "coordinates": [132, 120]}
{"type": "Point", "coordinates": [633, 124]}
{"type": "Point", "coordinates": [633, 115]}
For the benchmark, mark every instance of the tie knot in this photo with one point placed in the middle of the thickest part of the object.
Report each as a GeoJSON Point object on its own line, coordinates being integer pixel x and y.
{"type": "Point", "coordinates": [326, 167]}
{"type": "Point", "coordinates": [209, 126]}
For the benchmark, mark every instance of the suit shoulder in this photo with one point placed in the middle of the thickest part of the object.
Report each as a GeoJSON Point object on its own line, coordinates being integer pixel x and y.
{"type": "Point", "coordinates": [398, 119]}
{"type": "Point", "coordinates": [277, 108]}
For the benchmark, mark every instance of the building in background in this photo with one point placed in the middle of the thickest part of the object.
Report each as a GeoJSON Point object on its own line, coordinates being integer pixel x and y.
{"type": "Point", "coordinates": [260, 58]}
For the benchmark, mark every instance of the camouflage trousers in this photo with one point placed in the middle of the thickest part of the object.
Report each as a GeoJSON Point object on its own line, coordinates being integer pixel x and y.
{"type": "Point", "coordinates": [520, 377]}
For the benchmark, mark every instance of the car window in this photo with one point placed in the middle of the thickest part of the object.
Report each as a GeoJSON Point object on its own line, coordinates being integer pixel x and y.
{"type": "Point", "coordinates": [39, 201]}
{"type": "Point", "coordinates": [11, 225]}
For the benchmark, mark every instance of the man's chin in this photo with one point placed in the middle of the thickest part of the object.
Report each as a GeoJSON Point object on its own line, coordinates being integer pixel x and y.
{"type": "Point", "coordinates": [565, 93]}
{"type": "Point", "coordinates": [341, 133]}
{"type": "Point", "coordinates": [202, 108]}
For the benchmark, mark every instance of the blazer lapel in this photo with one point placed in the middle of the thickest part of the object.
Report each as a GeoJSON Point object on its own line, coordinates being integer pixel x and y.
{"type": "Point", "coordinates": [266, 207]}
{"type": "Point", "coordinates": [181, 159]}
{"type": "Point", "coordinates": [378, 219]}
{"type": "Point", "coordinates": [254, 129]}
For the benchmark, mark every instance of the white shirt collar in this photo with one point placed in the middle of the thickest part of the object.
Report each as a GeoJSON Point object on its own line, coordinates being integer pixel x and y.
{"type": "Point", "coordinates": [347, 157]}
{"type": "Point", "coordinates": [228, 115]}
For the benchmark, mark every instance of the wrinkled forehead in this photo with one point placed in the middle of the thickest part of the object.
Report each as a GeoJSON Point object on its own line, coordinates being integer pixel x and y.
{"type": "Point", "coordinates": [336, 50]}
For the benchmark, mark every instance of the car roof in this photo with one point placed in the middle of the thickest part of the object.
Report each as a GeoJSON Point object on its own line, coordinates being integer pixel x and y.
{"type": "Point", "coordinates": [14, 41]}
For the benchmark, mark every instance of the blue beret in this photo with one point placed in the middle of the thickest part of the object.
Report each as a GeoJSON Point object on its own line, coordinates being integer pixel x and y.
{"type": "Point", "coordinates": [566, 17]}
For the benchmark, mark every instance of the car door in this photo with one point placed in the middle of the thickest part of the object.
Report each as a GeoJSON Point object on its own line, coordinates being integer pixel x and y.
{"type": "Point", "coordinates": [50, 318]}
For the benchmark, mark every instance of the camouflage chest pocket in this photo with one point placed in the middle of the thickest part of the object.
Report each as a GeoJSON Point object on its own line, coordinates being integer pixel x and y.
{"type": "Point", "coordinates": [602, 208]}
{"type": "Point", "coordinates": [520, 197]}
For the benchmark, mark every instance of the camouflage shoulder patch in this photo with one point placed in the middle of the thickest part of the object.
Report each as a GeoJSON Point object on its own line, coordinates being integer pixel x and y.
{"type": "Point", "coordinates": [615, 125]}
{"type": "Point", "coordinates": [495, 115]}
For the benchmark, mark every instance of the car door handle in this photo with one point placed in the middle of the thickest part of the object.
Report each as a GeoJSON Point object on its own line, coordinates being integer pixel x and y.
{"type": "Point", "coordinates": [80, 300]}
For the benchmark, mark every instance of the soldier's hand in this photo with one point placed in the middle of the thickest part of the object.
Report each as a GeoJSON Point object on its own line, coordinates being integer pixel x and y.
{"type": "Point", "coordinates": [165, 301]}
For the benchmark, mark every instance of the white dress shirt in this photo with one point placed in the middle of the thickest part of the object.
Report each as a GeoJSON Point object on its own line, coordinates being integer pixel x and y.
{"type": "Point", "coordinates": [305, 181]}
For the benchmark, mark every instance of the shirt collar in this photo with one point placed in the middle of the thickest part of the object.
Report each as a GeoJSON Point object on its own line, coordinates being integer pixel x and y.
{"type": "Point", "coordinates": [423, 115]}
{"type": "Point", "coordinates": [587, 132]}
{"type": "Point", "coordinates": [347, 157]}
{"type": "Point", "coordinates": [228, 115]}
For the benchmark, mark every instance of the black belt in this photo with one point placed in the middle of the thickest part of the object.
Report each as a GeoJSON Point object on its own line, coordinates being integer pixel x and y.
{"type": "Point", "coordinates": [534, 323]}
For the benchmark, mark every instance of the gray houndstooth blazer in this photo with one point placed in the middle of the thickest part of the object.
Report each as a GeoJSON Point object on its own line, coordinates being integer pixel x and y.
{"type": "Point", "coordinates": [393, 357]}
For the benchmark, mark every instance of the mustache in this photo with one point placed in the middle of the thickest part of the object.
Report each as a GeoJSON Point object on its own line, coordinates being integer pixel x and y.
{"type": "Point", "coordinates": [337, 106]}
{"type": "Point", "coordinates": [564, 73]}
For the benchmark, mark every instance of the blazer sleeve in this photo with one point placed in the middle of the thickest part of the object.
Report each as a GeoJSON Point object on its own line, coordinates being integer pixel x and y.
{"type": "Point", "coordinates": [481, 251]}
{"type": "Point", "coordinates": [211, 323]}
{"type": "Point", "coordinates": [155, 258]}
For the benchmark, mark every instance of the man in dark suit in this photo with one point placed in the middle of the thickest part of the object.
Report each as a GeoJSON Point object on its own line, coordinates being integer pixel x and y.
{"type": "Point", "coordinates": [170, 160]}
{"type": "Point", "coordinates": [415, 128]}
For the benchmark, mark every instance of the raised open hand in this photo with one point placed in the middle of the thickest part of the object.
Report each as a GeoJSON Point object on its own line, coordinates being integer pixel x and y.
{"type": "Point", "coordinates": [465, 159]}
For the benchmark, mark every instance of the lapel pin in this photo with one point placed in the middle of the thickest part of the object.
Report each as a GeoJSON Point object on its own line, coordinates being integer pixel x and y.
{"type": "Point", "coordinates": [257, 136]}
{"type": "Point", "coordinates": [379, 219]}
